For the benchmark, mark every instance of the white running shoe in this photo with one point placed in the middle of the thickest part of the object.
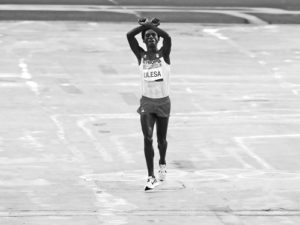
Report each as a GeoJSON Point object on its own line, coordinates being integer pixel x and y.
{"type": "Point", "coordinates": [151, 183]}
{"type": "Point", "coordinates": [162, 172]}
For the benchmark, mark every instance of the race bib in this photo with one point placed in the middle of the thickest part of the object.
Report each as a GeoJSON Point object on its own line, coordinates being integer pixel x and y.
{"type": "Point", "coordinates": [153, 74]}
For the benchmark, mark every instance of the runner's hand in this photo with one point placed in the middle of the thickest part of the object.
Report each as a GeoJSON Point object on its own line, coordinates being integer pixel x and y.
{"type": "Point", "coordinates": [143, 21]}
{"type": "Point", "coordinates": [155, 22]}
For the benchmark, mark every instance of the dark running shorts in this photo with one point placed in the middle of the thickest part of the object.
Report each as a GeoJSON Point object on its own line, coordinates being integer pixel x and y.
{"type": "Point", "coordinates": [159, 106]}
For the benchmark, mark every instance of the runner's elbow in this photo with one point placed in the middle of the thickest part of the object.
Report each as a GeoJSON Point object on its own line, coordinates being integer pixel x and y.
{"type": "Point", "coordinates": [129, 35]}
{"type": "Point", "coordinates": [168, 37]}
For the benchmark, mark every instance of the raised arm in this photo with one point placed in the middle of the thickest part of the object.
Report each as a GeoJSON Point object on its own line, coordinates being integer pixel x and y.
{"type": "Point", "coordinates": [167, 43]}
{"type": "Point", "coordinates": [133, 43]}
{"type": "Point", "coordinates": [153, 25]}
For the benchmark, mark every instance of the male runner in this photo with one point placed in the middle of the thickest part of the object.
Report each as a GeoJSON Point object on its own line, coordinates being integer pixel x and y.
{"type": "Point", "coordinates": [155, 105]}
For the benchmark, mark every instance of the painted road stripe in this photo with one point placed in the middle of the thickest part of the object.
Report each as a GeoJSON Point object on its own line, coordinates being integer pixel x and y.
{"type": "Point", "coordinates": [82, 124]}
{"type": "Point", "coordinates": [28, 77]}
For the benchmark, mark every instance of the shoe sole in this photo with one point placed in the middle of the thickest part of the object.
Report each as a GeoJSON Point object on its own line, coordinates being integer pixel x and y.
{"type": "Point", "coordinates": [149, 189]}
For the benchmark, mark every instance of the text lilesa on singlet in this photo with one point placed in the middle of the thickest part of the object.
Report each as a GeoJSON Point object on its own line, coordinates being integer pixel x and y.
{"type": "Point", "coordinates": [152, 71]}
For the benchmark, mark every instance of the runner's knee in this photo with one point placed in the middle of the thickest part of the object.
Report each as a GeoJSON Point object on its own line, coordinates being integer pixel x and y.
{"type": "Point", "coordinates": [148, 140]}
{"type": "Point", "coordinates": [162, 142]}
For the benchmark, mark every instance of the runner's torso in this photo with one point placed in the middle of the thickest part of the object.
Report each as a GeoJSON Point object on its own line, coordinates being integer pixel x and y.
{"type": "Point", "coordinates": [154, 76]}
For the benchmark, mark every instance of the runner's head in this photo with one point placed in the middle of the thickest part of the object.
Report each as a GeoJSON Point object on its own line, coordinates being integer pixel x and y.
{"type": "Point", "coordinates": [150, 37]}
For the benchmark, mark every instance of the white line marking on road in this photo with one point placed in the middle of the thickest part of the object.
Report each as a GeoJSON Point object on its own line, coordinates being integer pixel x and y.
{"type": "Point", "coordinates": [65, 84]}
{"type": "Point", "coordinates": [235, 155]}
{"type": "Point", "coordinates": [125, 9]}
{"type": "Point", "coordinates": [240, 142]}
{"type": "Point", "coordinates": [124, 153]}
{"type": "Point", "coordinates": [189, 90]}
{"type": "Point", "coordinates": [296, 92]}
{"type": "Point", "coordinates": [33, 86]}
{"type": "Point", "coordinates": [82, 123]}
{"type": "Point", "coordinates": [262, 62]}
{"type": "Point", "coordinates": [283, 83]}
{"type": "Point", "coordinates": [271, 136]}
{"type": "Point", "coordinates": [137, 176]}
{"type": "Point", "coordinates": [275, 71]}
{"type": "Point", "coordinates": [277, 75]}
{"type": "Point", "coordinates": [196, 83]}
{"type": "Point", "coordinates": [107, 204]}
{"type": "Point", "coordinates": [21, 182]}
{"type": "Point", "coordinates": [9, 75]}
{"type": "Point", "coordinates": [35, 198]}
{"type": "Point", "coordinates": [27, 76]}
{"type": "Point", "coordinates": [215, 32]}
{"type": "Point", "coordinates": [9, 84]}
{"type": "Point", "coordinates": [250, 18]}
{"type": "Point", "coordinates": [184, 115]}
{"type": "Point", "coordinates": [32, 141]}
{"type": "Point", "coordinates": [60, 129]}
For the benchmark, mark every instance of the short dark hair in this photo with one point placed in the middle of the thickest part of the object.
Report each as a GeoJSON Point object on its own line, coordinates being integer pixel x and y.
{"type": "Point", "coordinates": [144, 32]}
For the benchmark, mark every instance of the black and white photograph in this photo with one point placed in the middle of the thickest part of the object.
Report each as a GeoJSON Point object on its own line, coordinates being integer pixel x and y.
{"type": "Point", "coordinates": [150, 112]}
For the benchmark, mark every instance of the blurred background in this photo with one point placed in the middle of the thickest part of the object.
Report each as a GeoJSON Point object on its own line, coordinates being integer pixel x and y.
{"type": "Point", "coordinates": [195, 11]}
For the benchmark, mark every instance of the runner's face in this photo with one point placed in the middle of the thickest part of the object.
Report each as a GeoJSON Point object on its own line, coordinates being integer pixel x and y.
{"type": "Point", "coordinates": [151, 37]}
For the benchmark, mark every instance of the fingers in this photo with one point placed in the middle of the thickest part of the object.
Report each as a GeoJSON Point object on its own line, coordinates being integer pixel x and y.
{"type": "Point", "coordinates": [146, 21]}
{"type": "Point", "coordinates": [142, 21]}
{"type": "Point", "coordinates": [155, 22]}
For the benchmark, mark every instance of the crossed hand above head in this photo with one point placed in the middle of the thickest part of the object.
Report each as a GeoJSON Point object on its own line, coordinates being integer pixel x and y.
{"type": "Point", "coordinates": [149, 21]}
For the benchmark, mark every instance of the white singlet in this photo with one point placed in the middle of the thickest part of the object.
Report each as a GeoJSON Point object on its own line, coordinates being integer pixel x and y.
{"type": "Point", "coordinates": [155, 75]}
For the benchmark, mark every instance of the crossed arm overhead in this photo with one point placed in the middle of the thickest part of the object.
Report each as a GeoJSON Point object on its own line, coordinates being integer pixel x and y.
{"type": "Point", "coordinates": [137, 50]}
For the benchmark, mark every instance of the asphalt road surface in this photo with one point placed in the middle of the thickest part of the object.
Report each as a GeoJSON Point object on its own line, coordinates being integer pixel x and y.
{"type": "Point", "coordinates": [71, 147]}
{"type": "Point", "coordinates": [283, 4]}
{"type": "Point", "coordinates": [272, 12]}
